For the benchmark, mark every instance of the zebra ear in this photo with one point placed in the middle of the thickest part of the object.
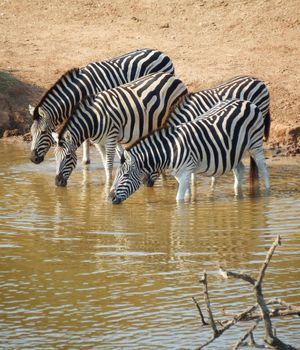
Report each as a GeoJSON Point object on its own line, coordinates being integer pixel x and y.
{"type": "Point", "coordinates": [31, 109]}
{"type": "Point", "coordinates": [125, 157]}
{"type": "Point", "coordinates": [55, 136]}
{"type": "Point", "coordinates": [68, 137]}
{"type": "Point", "coordinates": [41, 112]}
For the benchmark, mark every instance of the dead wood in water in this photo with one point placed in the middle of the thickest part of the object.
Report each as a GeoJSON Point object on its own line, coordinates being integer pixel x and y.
{"type": "Point", "coordinates": [281, 309]}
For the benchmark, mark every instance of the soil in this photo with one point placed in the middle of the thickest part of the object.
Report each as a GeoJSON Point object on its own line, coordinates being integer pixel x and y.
{"type": "Point", "coordinates": [208, 41]}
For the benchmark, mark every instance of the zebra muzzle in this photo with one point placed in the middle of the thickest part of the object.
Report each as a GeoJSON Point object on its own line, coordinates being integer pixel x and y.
{"type": "Point", "coordinates": [149, 182]}
{"type": "Point", "coordinates": [116, 200]}
{"type": "Point", "coordinates": [60, 180]}
{"type": "Point", "coordinates": [35, 158]}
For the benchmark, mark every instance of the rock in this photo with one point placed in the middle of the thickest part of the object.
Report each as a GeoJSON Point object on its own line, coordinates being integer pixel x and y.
{"type": "Point", "coordinates": [27, 137]}
{"type": "Point", "coordinates": [10, 133]}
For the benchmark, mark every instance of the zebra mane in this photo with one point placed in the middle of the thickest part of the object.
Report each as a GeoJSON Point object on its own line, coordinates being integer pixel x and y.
{"type": "Point", "coordinates": [35, 115]}
{"type": "Point", "coordinates": [61, 128]}
{"type": "Point", "coordinates": [163, 126]}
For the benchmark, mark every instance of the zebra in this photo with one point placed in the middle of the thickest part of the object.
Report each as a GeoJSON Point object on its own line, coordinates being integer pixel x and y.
{"type": "Point", "coordinates": [212, 144]}
{"type": "Point", "coordinates": [59, 101]}
{"type": "Point", "coordinates": [198, 103]}
{"type": "Point", "coordinates": [119, 115]}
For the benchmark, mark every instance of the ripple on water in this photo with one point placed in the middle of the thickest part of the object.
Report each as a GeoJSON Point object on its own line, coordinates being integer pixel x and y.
{"type": "Point", "coordinates": [78, 272]}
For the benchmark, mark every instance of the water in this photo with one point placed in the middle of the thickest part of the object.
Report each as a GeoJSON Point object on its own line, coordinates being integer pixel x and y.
{"type": "Point", "coordinates": [77, 272]}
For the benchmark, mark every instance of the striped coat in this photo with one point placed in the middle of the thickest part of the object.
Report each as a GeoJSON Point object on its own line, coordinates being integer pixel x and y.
{"type": "Point", "coordinates": [72, 87]}
{"type": "Point", "coordinates": [212, 145]}
{"type": "Point", "coordinates": [195, 105]}
{"type": "Point", "coordinates": [120, 115]}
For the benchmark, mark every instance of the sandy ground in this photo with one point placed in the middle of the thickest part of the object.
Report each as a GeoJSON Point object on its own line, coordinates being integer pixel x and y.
{"type": "Point", "coordinates": [208, 41]}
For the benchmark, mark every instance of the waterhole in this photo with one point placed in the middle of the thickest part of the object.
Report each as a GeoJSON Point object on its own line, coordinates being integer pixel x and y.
{"type": "Point", "coordinates": [77, 272]}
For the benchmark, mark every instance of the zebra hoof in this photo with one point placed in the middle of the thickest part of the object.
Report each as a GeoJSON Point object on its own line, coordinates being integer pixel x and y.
{"type": "Point", "coordinates": [86, 162]}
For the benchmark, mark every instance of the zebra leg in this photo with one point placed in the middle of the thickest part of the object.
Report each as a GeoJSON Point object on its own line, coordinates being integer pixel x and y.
{"type": "Point", "coordinates": [150, 179]}
{"type": "Point", "coordinates": [86, 152]}
{"type": "Point", "coordinates": [102, 150]}
{"type": "Point", "coordinates": [259, 158]}
{"type": "Point", "coordinates": [111, 146]}
{"type": "Point", "coordinates": [184, 188]}
{"type": "Point", "coordinates": [213, 183]}
{"type": "Point", "coordinates": [238, 173]}
{"type": "Point", "coordinates": [193, 179]}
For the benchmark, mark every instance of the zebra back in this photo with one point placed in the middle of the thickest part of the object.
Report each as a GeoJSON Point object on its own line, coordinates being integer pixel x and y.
{"type": "Point", "coordinates": [143, 62]}
{"type": "Point", "coordinates": [212, 145]}
{"type": "Point", "coordinates": [242, 87]}
{"type": "Point", "coordinates": [76, 84]}
{"type": "Point", "coordinates": [215, 142]}
{"type": "Point", "coordinates": [128, 112]}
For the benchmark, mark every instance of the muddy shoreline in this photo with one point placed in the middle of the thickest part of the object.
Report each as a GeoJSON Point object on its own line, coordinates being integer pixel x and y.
{"type": "Point", "coordinates": [209, 42]}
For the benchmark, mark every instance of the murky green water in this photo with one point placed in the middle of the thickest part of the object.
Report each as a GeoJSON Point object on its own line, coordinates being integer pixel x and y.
{"type": "Point", "coordinates": [77, 272]}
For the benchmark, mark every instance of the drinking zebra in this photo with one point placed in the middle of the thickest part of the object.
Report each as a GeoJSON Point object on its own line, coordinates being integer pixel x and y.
{"type": "Point", "coordinates": [198, 103]}
{"type": "Point", "coordinates": [120, 115]}
{"type": "Point", "coordinates": [212, 145]}
{"type": "Point", "coordinates": [73, 86]}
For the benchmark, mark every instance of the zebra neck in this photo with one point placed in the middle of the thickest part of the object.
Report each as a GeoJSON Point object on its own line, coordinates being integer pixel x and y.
{"type": "Point", "coordinates": [192, 106]}
{"type": "Point", "coordinates": [89, 121]}
{"type": "Point", "coordinates": [156, 151]}
{"type": "Point", "coordinates": [60, 100]}
{"type": "Point", "coordinates": [77, 136]}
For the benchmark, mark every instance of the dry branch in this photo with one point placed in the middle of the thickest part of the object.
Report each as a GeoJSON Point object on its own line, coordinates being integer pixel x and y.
{"type": "Point", "coordinates": [246, 335]}
{"type": "Point", "coordinates": [285, 309]}
{"type": "Point", "coordinates": [203, 280]}
{"type": "Point", "coordinates": [204, 323]}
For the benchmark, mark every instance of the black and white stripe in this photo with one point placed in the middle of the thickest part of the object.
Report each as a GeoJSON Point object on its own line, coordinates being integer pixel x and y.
{"type": "Point", "coordinates": [242, 87]}
{"type": "Point", "coordinates": [212, 145]}
{"type": "Point", "coordinates": [120, 115]}
{"type": "Point", "coordinates": [196, 104]}
{"type": "Point", "coordinates": [59, 101]}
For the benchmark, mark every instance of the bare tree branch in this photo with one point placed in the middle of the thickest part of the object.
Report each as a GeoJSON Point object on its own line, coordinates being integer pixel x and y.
{"type": "Point", "coordinates": [204, 323]}
{"type": "Point", "coordinates": [283, 310]}
{"type": "Point", "coordinates": [270, 338]}
{"type": "Point", "coordinates": [267, 260]}
{"type": "Point", "coordinates": [203, 280]}
{"type": "Point", "coordinates": [226, 274]}
{"type": "Point", "coordinates": [245, 336]}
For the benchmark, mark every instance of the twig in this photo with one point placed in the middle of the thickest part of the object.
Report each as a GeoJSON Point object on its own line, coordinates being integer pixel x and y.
{"type": "Point", "coordinates": [204, 323]}
{"type": "Point", "coordinates": [270, 338]}
{"type": "Point", "coordinates": [228, 324]}
{"type": "Point", "coordinates": [286, 309]}
{"type": "Point", "coordinates": [284, 304]}
{"type": "Point", "coordinates": [203, 280]}
{"type": "Point", "coordinates": [245, 336]}
{"type": "Point", "coordinates": [252, 342]}
{"type": "Point", "coordinates": [267, 260]}
{"type": "Point", "coordinates": [226, 274]}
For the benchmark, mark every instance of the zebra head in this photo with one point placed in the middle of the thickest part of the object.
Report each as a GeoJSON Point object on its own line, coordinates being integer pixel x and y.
{"type": "Point", "coordinates": [128, 179]}
{"type": "Point", "coordinates": [40, 130]}
{"type": "Point", "coordinates": [66, 158]}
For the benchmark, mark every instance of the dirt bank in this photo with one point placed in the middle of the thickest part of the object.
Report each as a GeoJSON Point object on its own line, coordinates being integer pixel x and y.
{"type": "Point", "coordinates": [208, 41]}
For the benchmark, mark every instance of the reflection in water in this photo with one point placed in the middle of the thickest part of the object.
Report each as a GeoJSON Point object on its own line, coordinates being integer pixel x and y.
{"type": "Point", "coordinates": [78, 272]}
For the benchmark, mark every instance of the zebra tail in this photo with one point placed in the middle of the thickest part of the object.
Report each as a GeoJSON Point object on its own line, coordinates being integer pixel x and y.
{"type": "Point", "coordinates": [253, 173]}
{"type": "Point", "coordinates": [267, 122]}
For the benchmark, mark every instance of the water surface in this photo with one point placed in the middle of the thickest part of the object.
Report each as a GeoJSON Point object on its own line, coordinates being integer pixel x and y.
{"type": "Point", "coordinates": [77, 272]}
